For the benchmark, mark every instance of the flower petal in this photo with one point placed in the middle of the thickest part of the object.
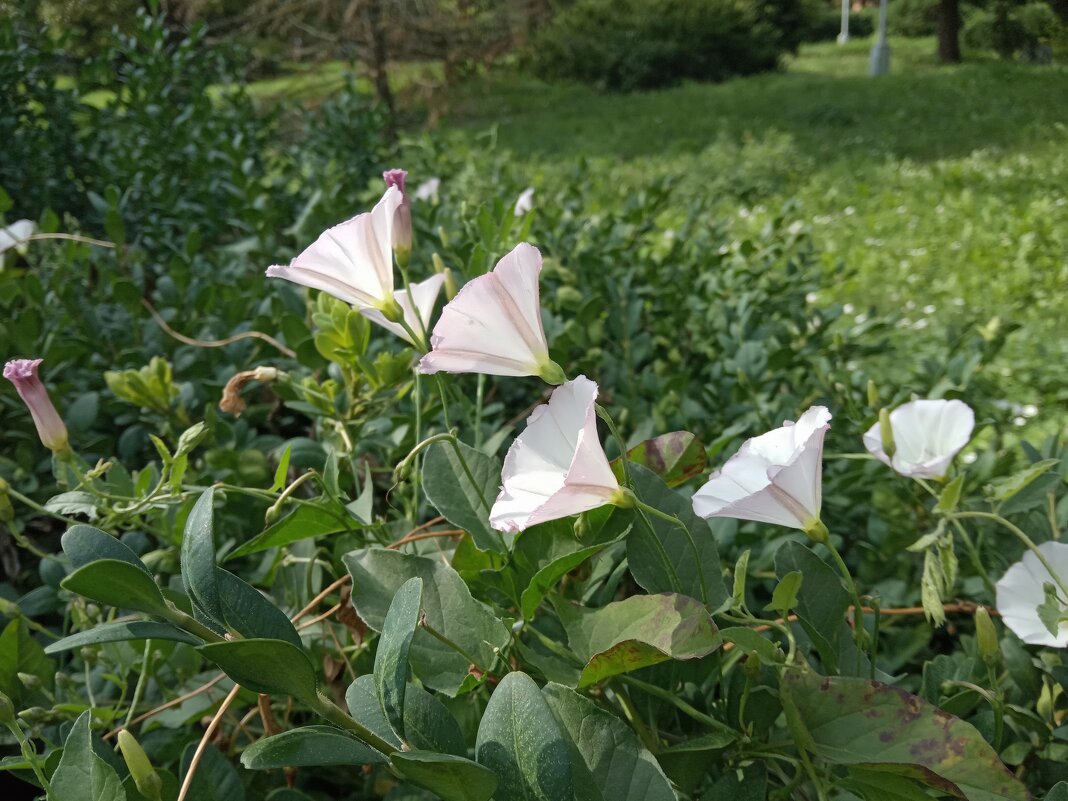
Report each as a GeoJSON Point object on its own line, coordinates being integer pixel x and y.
{"type": "Point", "coordinates": [425, 294]}
{"type": "Point", "coordinates": [493, 325]}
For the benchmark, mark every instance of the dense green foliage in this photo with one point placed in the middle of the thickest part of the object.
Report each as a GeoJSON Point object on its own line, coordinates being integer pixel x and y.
{"type": "Point", "coordinates": [638, 44]}
{"type": "Point", "coordinates": [742, 262]}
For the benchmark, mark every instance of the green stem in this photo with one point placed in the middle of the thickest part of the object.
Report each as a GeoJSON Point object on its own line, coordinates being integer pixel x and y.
{"type": "Point", "coordinates": [30, 754]}
{"type": "Point", "coordinates": [192, 625]}
{"type": "Point", "coordinates": [647, 737]}
{"type": "Point", "coordinates": [331, 712]}
{"type": "Point", "coordinates": [678, 703]}
{"type": "Point", "coordinates": [1019, 533]}
{"type": "Point", "coordinates": [140, 686]}
{"type": "Point", "coordinates": [608, 421]}
{"type": "Point", "coordinates": [821, 793]}
{"type": "Point", "coordinates": [860, 634]}
{"type": "Point", "coordinates": [973, 558]}
{"type": "Point", "coordinates": [437, 635]}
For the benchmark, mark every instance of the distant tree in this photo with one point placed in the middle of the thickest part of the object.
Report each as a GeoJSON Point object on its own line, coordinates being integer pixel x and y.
{"type": "Point", "coordinates": [948, 31]}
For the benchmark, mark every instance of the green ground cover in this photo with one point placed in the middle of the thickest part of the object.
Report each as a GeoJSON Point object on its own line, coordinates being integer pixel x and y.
{"type": "Point", "coordinates": [941, 189]}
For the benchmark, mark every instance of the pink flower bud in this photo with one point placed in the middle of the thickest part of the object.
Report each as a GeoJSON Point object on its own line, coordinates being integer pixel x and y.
{"type": "Point", "coordinates": [23, 374]}
{"type": "Point", "coordinates": [402, 219]}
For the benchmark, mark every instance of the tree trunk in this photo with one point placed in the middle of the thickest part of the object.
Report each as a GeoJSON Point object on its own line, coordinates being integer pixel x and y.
{"type": "Point", "coordinates": [949, 25]}
{"type": "Point", "coordinates": [379, 65]}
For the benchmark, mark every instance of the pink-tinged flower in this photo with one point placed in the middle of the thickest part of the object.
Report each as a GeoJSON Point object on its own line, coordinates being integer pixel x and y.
{"type": "Point", "coordinates": [1022, 590]}
{"type": "Point", "coordinates": [428, 190]}
{"type": "Point", "coordinates": [402, 221]}
{"type": "Point", "coordinates": [556, 467]}
{"type": "Point", "coordinates": [773, 478]}
{"type": "Point", "coordinates": [525, 201]}
{"type": "Point", "coordinates": [925, 437]}
{"type": "Point", "coordinates": [352, 261]}
{"type": "Point", "coordinates": [17, 235]}
{"type": "Point", "coordinates": [50, 428]}
{"type": "Point", "coordinates": [493, 325]}
{"type": "Point", "coordinates": [417, 315]}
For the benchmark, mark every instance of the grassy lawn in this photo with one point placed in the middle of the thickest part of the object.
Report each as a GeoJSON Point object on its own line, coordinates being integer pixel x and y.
{"type": "Point", "coordinates": [943, 188]}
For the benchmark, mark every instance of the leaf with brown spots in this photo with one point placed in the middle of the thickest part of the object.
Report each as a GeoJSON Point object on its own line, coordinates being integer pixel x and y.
{"type": "Point", "coordinates": [676, 457]}
{"type": "Point", "coordinates": [858, 722]}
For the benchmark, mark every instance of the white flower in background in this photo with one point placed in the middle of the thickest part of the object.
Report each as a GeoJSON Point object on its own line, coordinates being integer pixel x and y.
{"type": "Point", "coordinates": [926, 436]}
{"type": "Point", "coordinates": [1022, 590]}
{"type": "Point", "coordinates": [493, 325]}
{"type": "Point", "coordinates": [774, 478]}
{"type": "Point", "coordinates": [428, 190]}
{"type": "Point", "coordinates": [352, 261]}
{"type": "Point", "coordinates": [525, 201]}
{"type": "Point", "coordinates": [17, 235]}
{"type": "Point", "coordinates": [556, 468]}
{"type": "Point", "coordinates": [417, 316]}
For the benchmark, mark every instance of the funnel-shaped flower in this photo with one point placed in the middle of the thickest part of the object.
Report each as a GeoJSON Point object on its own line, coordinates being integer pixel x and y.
{"type": "Point", "coordinates": [774, 478]}
{"type": "Point", "coordinates": [353, 261]}
{"type": "Point", "coordinates": [927, 435]}
{"type": "Point", "coordinates": [556, 467]}
{"type": "Point", "coordinates": [493, 325]}
{"type": "Point", "coordinates": [417, 315]}
{"type": "Point", "coordinates": [50, 428]}
{"type": "Point", "coordinates": [428, 190]}
{"type": "Point", "coordinates": [1022, 590]}
{"type": "Point", "coordinates": [16, 235]}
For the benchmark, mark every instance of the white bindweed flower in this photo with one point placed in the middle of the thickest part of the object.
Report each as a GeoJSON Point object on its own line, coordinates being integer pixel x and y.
{"type": "Point", "coordinates": [417, 316]}
{"type": "Point", "coordinates": [352, 261]}
{"type": "Point", "coordinates": [525, 201]}
{"type": "Point", "coordinates": [493, 325]}
{"type": "Point", "coordinates": [17, 235]}
{"type": "Point", "coordinates": [556, 468]}
{"type": "Point", "coordinates": [428, 190]}
{"type": "Point", "coordinates": [774, 478]}
{"type": "Point", "coordinates": [1022, 590]}
{"type": "Point", "coordinates": [925, 435]}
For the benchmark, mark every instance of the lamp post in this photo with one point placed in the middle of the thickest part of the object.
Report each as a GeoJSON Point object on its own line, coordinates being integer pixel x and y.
{"type": "Point", "coordinates": [880, 51]}
{"type": "Point", "coordinates": [843, 37]}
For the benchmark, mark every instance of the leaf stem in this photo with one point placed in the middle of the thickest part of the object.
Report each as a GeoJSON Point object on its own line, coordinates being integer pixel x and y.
{"type": "Point", "coordinates": [1020, 535]}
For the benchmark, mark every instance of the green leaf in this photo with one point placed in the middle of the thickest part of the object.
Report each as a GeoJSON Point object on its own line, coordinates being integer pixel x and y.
{"type": "Point", "coordinates": [879, 785]}
{"type": "Point", "coordinates": [448, 607]}
{"type": "Point", "coordinates": [784, 597]}
{"type": "Point", "coordinates": [822, 601]}
{"type": "Point", "coordinates": [282, 471]}
{"type": "Point", "coordinates": [741, 571]}
{"type": "Point", "coordinates": [521, 742]}
{"type": "Point", "coordinates": [429, 725]}
{"type": "Point", "coordinates": [1050, 611]}
{"type": "Point", "coordinates": [265, 666]}
{"type": "Point", "coordinates": [247, 612]}
{"type": "Point", "coordinates": [84, 544]}
{"type": "Point", "coordinates": [1002, 489]}
{"type": "Point", "coordinates": [622, 767]}
{"type": "Point", "coordinates": [662, 557]}
{"type": "Point", "coordinates": [198, 557]}
{"type": "Point", "coordinates": [753, 642]}
{"type": "Point", "coordinates": [546, 578]}
{"type": "Point", "coordinates": [314, 519]}
{"type": "Point", "coordinates": [675, 457]}
{"type": "Point", "coordinates": [121, 632]}
{"type": "Point", "coordinates": [215, 779]}
{"type": "Point", "coordinates": [118, 584]}
{"type": "Point", "coordinates": [75, 502]}
{"type": "Point", "coordinates": [391, 658]}
{"type": "Point", "coordinates": [950, 496]}
{"type": "Point", "coordinates": [855, 721]}
{"type": "Point", "coordinates": [306, 746]}
{"type": "Point", "coordinates": [637, 632]}
{"type": "Point", "coordinates": [81, 774]}
{"type": "Point", "coordinates": [21, 653]}
{"type": "Point", "coordinates": [1058, 792]}
{"type": "Point", "coordinates": [450, 777]}
{"type": "Point", "coordinates": [465, 505]}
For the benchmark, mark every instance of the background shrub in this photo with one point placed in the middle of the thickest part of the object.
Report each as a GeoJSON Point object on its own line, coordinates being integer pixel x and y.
{"type": "Point", "coordinates": [912, 17]}
{"type": "Point", "coordinates": [644, 44]}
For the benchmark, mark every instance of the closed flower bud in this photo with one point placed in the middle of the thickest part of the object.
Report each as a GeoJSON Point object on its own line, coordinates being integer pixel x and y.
{"type": "Point", "coordinates": [7, 710]}
{"type": "Point", "coordinates": [145, 778]}
{"type": "Point", "coordinates": [402, 218]}
{"type": "Point", "coordinates": [987, 637]}
{"type": "Point", "coordinates": [50, 428]}
{"type": "Point", "coordinates": [873, 394]}
{"type": "Point", "coordinates": [29, 681]}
